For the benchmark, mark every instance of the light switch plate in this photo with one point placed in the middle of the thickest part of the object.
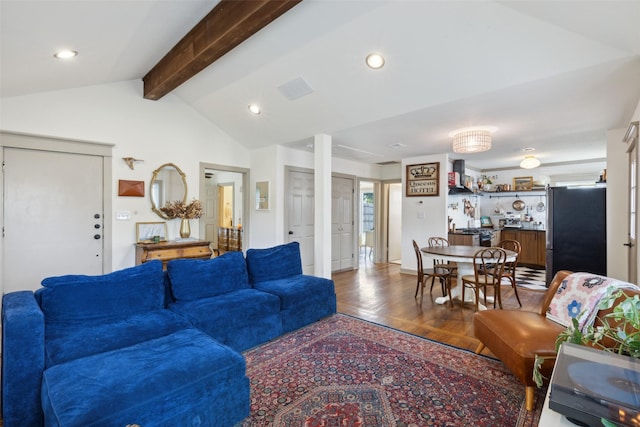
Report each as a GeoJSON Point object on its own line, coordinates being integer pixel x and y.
{"type": "Point", "coordinates": [123, 215]}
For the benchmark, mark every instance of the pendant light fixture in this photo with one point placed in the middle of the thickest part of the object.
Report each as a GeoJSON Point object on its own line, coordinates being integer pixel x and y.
{"type": "Point", "coordinates": [472, 140]}
{"type": "Point", "coordinates": [529, 162]}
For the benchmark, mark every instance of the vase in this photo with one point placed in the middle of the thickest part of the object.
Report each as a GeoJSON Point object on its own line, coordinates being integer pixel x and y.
{"type": "Point", "coordinates": [185, 228]}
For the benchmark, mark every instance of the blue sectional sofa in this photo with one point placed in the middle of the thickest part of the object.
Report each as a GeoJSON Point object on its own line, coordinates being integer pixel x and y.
{"type": "Point", "coordinates": [143, 346]}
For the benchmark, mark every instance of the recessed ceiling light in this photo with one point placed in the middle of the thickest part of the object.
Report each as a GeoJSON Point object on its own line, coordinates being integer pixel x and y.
{"type": "Point", "coordinates": [65, 54]}
{"type": "Point", "coordinates": [255, 109]}
{"type": "Point", "coordinates": [527, 150]}
{"type": "Point", "coordinates": [375, 61]}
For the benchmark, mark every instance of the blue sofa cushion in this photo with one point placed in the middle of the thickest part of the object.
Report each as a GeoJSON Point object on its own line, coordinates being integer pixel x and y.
{"type": "Point", "coordinates": [240, 319]}
{"type": "Point", "coordinates": [274, 263]}
{"type": "Point", "coordinates": [179, 379]}
{"type": "Point", "coordinates": [119, 294]}
{"type": "Point", "coordinates": [68, 341]}
{"type": "Point", "coordinates": [227, 310]}
{"type": "Point", "coordinates": [193, 279]}
{"type": "Point", "coordinates": [299, 290]}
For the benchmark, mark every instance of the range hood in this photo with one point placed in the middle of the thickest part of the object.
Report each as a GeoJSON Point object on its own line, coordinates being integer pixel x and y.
{"type": "Point", "coordinates": [458, 167]}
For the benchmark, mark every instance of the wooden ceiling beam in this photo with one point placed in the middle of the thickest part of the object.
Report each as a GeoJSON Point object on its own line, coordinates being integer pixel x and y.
{"type": "Point", "coordinates": [229, 23]}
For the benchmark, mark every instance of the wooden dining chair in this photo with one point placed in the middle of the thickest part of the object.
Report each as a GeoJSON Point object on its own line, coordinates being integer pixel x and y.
{"type": "Point", "coordinates": [449, 267]}
{"type": "Point", "coordinates": [510, 266]}
{"type": "Point", "coordinates": [425, 274]}
{"type": "Point", "coordinates": [488, 265]}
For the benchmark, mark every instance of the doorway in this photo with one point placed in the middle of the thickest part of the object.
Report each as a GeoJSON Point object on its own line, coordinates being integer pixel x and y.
{"type": "Point", "coordinates": [367, 239]}
{"type": "Point", "coordinates": [225, 219]}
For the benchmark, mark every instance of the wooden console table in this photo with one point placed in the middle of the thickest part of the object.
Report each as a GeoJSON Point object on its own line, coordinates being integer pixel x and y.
{"type": "Point", "coordinates": [166, 251]}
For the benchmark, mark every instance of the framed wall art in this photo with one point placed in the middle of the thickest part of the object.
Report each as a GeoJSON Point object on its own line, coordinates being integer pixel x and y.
{"type": "Point", "coordinates": [423, 180]}
{"type": "Point", "coordinates": [523, 183]}
{"type": "Point", "coordinates": [151, 232]}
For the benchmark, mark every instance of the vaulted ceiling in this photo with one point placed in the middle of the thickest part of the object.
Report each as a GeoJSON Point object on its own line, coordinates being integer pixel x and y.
{"type": "Point", "coordinates": [551, 75]}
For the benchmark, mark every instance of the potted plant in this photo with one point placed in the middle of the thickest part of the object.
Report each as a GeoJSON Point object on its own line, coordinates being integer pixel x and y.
{"type": "Point", "coordinates": [617, 331]}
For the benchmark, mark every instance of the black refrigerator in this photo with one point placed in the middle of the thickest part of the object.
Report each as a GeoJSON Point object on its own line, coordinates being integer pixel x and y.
{"type": "Point", "coordinates": [576, 230]}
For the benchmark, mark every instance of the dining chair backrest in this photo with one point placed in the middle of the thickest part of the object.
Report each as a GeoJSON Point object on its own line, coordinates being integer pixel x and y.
{"type": "Point", "coordinates": [488, 265]}
{"type": "Point", "coordinates": [511, 245]}
{"type": "Point", "coordinates": [437, 241]}
{"type": "Point", "coordinates": [419, 259]}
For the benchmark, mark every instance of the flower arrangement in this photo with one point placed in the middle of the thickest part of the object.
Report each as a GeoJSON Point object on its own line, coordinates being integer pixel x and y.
{"type": "Point", "coordinates": [179, 209]}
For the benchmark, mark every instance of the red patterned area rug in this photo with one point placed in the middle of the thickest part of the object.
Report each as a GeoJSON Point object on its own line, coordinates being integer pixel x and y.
{"type": "Point", "coordinates": [343, 371]}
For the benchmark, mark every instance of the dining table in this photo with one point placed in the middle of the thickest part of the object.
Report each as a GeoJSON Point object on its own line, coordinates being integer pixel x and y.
{"type": "Point", "coordinates": [462, 255]}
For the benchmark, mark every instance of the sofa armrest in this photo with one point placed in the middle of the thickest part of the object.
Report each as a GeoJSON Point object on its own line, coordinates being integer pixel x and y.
{"type": "Point", "coordinates": [22, 359]}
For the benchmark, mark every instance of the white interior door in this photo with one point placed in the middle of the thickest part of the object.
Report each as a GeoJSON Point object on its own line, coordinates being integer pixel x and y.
{"type": "Point", "coordinates": [633, 208]}
{"type": "Point", "coordinates": [300, 217]}
{"type": "Point", "coordinates": [342, 218]}
{"type": "Point", "coordinates": [53, 216]}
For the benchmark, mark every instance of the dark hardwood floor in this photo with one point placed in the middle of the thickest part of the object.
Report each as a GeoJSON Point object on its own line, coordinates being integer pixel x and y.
{"type": "Point", "coordinates": [381, 294]}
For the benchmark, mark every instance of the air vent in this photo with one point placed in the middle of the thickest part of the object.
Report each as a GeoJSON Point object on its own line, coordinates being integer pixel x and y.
{"type": "Point", "coordinates": [397, 145]}
{"type": "Point", "coordinates": [296, 88]}
{"type": "Point", "coordinates": [389, 162]}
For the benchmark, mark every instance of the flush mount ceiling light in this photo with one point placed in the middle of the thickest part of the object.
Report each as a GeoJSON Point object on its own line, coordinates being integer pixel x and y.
{"type": "Point", "coordinates": [529, 162]}
{"type": "Point", "coordinates": [472, 140]}
{"type": "Point", "coordinates": [254, 109]}
{"type": "Point", "coordinates": [375, 61]}
{"type": "Point", "coordinates": [65, 54]}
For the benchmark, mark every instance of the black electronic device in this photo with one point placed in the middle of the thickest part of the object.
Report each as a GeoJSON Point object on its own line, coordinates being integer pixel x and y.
{"type": "Point", "coordinates": [589, 384]}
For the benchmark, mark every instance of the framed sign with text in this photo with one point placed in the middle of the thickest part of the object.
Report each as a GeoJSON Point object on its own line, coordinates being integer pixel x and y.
{"type": "Point", "coordinates": [423, 179]}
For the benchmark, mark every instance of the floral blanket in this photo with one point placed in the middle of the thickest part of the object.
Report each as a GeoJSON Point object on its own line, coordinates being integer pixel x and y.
{"type": "Point", "coordinates": [578, 297]}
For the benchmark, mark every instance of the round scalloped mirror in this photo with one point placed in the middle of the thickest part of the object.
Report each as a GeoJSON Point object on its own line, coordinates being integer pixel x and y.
{"type": "Point", "coordinates": [168, 184]}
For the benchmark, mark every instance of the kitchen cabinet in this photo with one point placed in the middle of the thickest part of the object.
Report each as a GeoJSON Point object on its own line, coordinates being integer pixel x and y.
{"type": "Point", "coordinates": [463, 239]}
{"type": "Point", "coordinates": [532, 242]}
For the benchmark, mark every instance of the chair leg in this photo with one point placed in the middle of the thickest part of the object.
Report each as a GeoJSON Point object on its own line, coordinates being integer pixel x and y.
{"type": "Point", "coordinates": [433, 280]}
{"type": "Point", "coordinates": [529, 397]}
{"type": "Point", "coordinates": [479, 348]}
{"type": "Point", "coordinates": [515, 288]}
{"type": "Point", "coordinates": [448, 286]}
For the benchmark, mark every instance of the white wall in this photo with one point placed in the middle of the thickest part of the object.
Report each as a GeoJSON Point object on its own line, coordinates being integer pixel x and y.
{"type": "Point", "coordinates": [423, 217]}
{"type": "Point", "coordinates": [156, 131]}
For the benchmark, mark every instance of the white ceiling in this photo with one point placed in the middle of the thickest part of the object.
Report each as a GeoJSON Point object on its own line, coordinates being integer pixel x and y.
{"type": "Point", "coordinates": [552, 75]}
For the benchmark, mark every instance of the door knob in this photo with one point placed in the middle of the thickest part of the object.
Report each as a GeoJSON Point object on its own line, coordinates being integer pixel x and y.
{"type": "Point", "coordinates": [290, 232]}
{"type": "Point", "coordinates": [96, 236]}
{"type": "Point", "coordinates": [629, 244]}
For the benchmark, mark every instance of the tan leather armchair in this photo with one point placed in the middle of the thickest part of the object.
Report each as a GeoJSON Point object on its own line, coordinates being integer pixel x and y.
{"type": "Point", "coordinates": [516, 336]}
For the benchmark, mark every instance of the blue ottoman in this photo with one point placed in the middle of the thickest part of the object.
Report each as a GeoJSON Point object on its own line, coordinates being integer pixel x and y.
{"type": "Point", "coordinates": [182, 379]}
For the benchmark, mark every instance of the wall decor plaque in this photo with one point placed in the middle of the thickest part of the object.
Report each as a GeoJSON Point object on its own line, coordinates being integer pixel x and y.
{"type": "Point", "coordinates": [423, 180]}
{"type": "Point", "coordinates": [130, 188]}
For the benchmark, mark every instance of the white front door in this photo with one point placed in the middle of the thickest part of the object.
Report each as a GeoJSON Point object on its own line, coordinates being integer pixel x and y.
{"type": "Point", "coordinates": [53, 216]}
{"type": "Point", "coordinates": [342, 238]}
{"type": "Point", "coordinates": [300, 227]}
{"type": "Point", "coordinates": [633, 208]}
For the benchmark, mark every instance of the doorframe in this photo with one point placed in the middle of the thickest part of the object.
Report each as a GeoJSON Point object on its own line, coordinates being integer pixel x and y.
{"type": "Point", "coordinates": [377, 201]}
{"type": "Point", "coordinates": [71, 146]}
{"type": "Point", "coordinates": [246, 219]}
{"type": "Point", "coordinates": [631, 139]}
